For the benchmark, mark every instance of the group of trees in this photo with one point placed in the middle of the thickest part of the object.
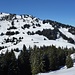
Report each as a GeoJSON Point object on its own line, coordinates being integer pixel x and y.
{"type": "Point", "coordinates": [10, 65]}
{"type": "Point", "coordinates": [12, 27]}
{"type": "Point", "coordinates": [35, 60]}
{"type": "Point", "coordinates": [56, 24]}
{"type": "Point", "coordinates": [9, 33]}
{"type": "Point", "coordinates": [13, 40]}
{"type": "Point", "coordinates": [50, 58]}
{"type": "Point", "coordinates": [25, 26]}
{"type": "Point", "coordinates": [52, 34]}
{"type": "Point", "coordinates": [72, 30]}
{"type": "Point", "coordinates": [8, 17]}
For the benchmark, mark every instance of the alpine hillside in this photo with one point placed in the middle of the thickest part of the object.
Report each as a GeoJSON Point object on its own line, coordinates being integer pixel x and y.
{"type": "Point", "coordinates": [16, 30]}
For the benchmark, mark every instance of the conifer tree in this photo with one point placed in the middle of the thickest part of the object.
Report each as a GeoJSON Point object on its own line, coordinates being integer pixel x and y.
{"type": "Point", "coordinates": [24, 62]}
{"type": "Point", "coordinates": [46, 63]}
{"type": "Point", "coordinates": [37, 63]}
{"type": "Point", "coordinates": [4, 63]}
{"type": "Point", "coordinates": [53, 58]}
{"type": "Point", "coordinates": [41, 61]}
{"type": "Point", "coordinates": [12, 23]}
{"type": "Point", "coordinates": [69, 62]}
{"type": "Point", "coordinates": [8, 64]}
{"type": "Point", "coordinates": [13, 66]}
{"type": "Point", "coordinates": [61, 57]}
{"type": "Point", "coordinates": [34, 60]}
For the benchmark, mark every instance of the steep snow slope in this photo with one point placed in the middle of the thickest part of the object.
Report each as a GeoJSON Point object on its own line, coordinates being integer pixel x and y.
{"type": "Point", "coordinates": [66, 33]}
{"type": "Point", "coordinates": [16, 30]}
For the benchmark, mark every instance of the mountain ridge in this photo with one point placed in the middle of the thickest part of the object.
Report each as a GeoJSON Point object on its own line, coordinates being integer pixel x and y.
{"type": "Point", "coordinates": [16, 30]}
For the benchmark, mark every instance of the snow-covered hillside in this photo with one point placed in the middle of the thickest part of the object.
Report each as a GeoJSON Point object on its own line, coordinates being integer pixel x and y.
{"type": "Point", "coordinates": [16, 30]}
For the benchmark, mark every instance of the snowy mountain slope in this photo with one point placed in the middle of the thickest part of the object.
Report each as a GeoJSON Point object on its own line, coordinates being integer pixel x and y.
{"type": "Point", "coordinates": [66, 33]}
{"type": "Point", "coordinates": [16, 30]}
{"type": "Point", "coordinates": [3, 14]}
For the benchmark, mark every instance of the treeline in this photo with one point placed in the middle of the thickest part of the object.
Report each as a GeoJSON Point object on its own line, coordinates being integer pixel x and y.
{"type": "Point", "coordinates": [52, 34]}
{"type": "Point", "coordinates": [35, 60]}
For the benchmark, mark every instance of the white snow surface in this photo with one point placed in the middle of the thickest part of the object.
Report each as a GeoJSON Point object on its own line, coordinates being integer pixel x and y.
{"type": "Point", "coordinates": [3, 14]}
{"type": "Point", "coordinates": [62, 71]}
{"type": "Point", "coordinates": [30, 40]}
{"type": "Point", "coordinates": [66, 33]}
{"type": "Point", "coordinates": [70, 71]}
